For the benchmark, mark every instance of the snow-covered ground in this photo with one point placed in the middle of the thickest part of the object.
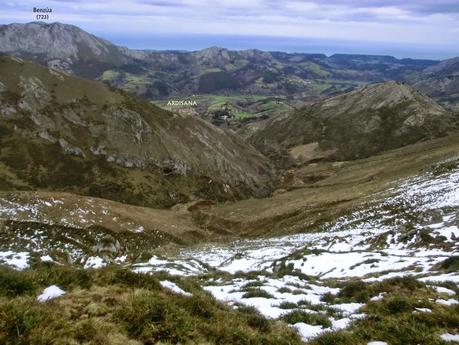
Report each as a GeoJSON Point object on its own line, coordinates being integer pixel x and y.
{"type": "Point", "coordinates": [407, 230]}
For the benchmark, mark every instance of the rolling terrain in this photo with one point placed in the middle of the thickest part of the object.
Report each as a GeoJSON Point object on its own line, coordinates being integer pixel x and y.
{"type": "Point", "coordinates": [215, 69]}
{"type": "Point", "coordinates": [331, 216]}
{"type": "Point", "coordinates": [159, 75]}
{"type": "Point", "coordinates": [232, 111]}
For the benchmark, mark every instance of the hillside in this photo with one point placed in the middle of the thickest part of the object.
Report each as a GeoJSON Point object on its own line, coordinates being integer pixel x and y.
{"type": "Point", "coordinates": [129, 221]}
{"type": "Point", "coordinates": [69, 134]}
{"type": "Point", "coordinates": [369, 253]}
{"type": "Point", "coordinates": [358, 124]}
{"type": "Point", "coordinates": [441, 81]}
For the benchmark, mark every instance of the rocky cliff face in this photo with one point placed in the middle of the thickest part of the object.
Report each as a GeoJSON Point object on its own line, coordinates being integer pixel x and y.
{"type": "Point", "coordinates": [358, 124]}
{"type": "Point", "coordinates": [67, 133]}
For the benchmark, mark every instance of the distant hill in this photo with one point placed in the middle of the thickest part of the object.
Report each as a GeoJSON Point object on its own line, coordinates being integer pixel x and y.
{"type": "Point", "coordinates": [159, 74]}
{"type": "Point", "coordinates": [60, 132]}
{"type": "Point", "coordinates": [357, 124]}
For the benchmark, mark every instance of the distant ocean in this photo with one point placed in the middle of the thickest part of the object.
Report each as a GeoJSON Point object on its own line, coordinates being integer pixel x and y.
{"type": "Point", "coordinates": [285, 44]}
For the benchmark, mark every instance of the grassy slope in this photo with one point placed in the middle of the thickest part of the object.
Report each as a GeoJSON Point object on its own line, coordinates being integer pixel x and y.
{"type": "Point", "coordinates": [77, 221]}
{"type": "Point", "coordinates": [394, 318]}
{"type": "Point", "coordinates": [345, 185]}
{"type": "Point", "coordinates": [337, 189]}
{"type": "Point", "coordinates": [113, 306]}
{"type": "Point", "coordinates": [359, 124]}
{"type": "Point", "coordinates": [239, 108]}
{"type": "Point", "coordinates": [391, 318]}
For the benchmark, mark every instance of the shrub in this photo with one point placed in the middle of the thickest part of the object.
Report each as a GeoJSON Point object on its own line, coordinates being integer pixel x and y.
{"type": "Point", "coordinates": [64, 276]}
{"type": "Point", "coordinates": [408, 284]}
{"type": "Point", "coordinates": [309, 318]}
{"type": "Point", "coordinates": [257, 293]}
{"type": "Point", "coordinates": [401, 330]}
{"type": "Point", "coordinates": [253, 284]}
{"type": "Point", "coordinates": [24, 321]}
{"type": "Point", "coordinates": [132, 279]}
{"type": "Point", "coordinates": [284, 290]}
{"type": "Point", "coordinates": [151, 318]}
{"type": "Point", "coordinates": [399, 304]}
{"type": "Point", "coordinates": [337, 338]}
{"type": "Point", "coordinates": [13, 283]}
{"type": "Point", "coordinates": [355, 290]}
{"type": "Point", "coordinates": [451, 264]}
{"type": "Point", "coordinates": [328, 297]}
{"type": "Point", "coordinates": [198, 305]}
{"type": "Point", "coordinates": [254, 319]}
{"type": "Point", "coordinates": [287, 305]}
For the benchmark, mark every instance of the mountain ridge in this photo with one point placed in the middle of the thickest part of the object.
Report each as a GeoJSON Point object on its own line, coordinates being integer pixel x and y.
{"type": "Point", "coordinates": [357, 124]}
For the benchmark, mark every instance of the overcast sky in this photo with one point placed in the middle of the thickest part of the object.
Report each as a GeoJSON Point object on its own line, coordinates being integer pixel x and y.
{"type": "Point", "coordinates": [403, 28]}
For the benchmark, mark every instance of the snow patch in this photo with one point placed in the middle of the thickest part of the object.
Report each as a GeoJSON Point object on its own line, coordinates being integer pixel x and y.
{"type": "Point", "coordinates": [450, 337]}
{"type": "Point", "coordinates": [441, 289]}
{"type": "Point", "coordinates": [307, 331]}
{"type": "Point", "coordinates": [423, 310]}
{"type": "Point", "coordinates": [50, 293]}
{"type": "Point", "coordinates": [447, 302]}
{"type": "Point", "coordinates": [94, 262]}
{"type": "Point", "coordinates": [46, 258]}
{"type": "Point", "coordinates": [174, 287]}
{"type": "Point", "coordinates": [18, 261]}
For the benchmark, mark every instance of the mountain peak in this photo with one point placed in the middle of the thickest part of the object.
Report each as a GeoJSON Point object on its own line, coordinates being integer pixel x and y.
{"type": "Point", "coordinates": [60, 46]}
{"type": "Point", "coordinates": [212, 53]}
{"type": "Point", "coordinates": [378, 95]}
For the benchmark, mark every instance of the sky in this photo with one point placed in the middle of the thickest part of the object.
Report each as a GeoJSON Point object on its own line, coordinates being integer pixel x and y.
{"type": "Point", "coordinates": [402, 28]}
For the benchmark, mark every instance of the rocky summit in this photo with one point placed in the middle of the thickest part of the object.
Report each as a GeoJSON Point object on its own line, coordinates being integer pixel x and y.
{"type": "Point", "coordinates": [61, 46]}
